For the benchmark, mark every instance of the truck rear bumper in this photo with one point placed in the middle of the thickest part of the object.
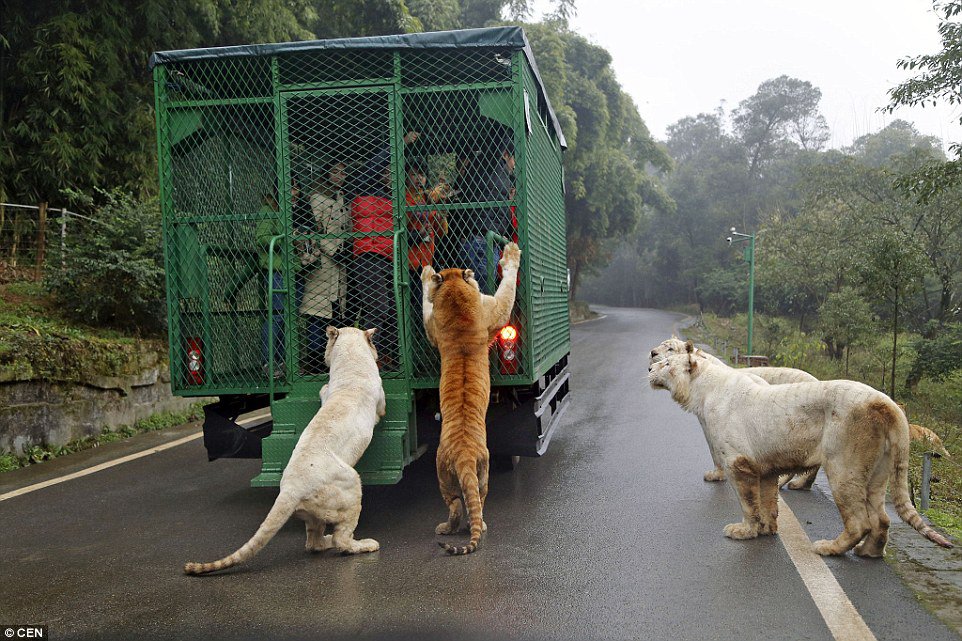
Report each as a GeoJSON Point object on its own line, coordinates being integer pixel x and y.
{"type": "Point", "coordinates": [521, 421]}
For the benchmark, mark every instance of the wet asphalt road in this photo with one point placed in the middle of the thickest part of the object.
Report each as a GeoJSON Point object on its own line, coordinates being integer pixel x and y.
{"type": "Point", "coordinates": [611, 535]}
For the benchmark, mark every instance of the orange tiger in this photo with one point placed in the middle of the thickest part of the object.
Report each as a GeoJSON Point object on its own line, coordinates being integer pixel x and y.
{"type": "Point", "coordinates": [461, 322]}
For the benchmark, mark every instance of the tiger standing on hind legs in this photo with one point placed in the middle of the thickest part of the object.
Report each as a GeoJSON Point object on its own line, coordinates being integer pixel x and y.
{"type": "Point", "coordinates": [461, 322]}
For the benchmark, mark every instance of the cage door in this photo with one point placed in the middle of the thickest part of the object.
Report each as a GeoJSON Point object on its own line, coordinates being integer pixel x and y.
{"type": "Point", "coordinates": [341, 163]}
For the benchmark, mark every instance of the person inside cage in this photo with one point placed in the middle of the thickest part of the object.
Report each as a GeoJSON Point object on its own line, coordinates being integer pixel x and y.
{"type": "Point", "coordinates": [495, 184]}
{"type": "Point", "coordinates": [424, 226]}
{"type": "Point", "coordinates": [267, 228]}
{"type": "Point", "coordinates": [371, 292]}
{"type": "Point", "coordinates": [325, 280]}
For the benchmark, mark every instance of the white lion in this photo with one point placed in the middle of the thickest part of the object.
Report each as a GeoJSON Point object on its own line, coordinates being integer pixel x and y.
{"type": "Point", "coordinates": [770, 375]}
{"type": "Point", "coordinates": [319, 484]}
{"type": "Point", "coordinates": [759, 431]}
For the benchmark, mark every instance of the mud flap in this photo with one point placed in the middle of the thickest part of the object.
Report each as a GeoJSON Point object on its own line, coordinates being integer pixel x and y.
{"type": "Point", "coordinates": [224, 437]}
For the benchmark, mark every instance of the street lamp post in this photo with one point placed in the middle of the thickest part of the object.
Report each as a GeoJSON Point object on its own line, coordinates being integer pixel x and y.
{"type": "Point", "coordinates": [750, 259]}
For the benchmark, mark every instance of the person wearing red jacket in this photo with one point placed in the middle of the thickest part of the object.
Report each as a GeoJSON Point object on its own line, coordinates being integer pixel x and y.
{"type": "Point", "coordinates": [372, 285]}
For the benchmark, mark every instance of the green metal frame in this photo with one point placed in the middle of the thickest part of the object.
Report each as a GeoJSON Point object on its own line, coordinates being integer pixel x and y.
{"type": "Point", "coordinates": [196, 240]}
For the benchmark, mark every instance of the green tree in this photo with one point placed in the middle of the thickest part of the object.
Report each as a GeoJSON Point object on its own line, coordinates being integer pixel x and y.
{"type": "Point", "coordinates": [938, 79]}
{"type": "Point", "coordinates": [895, 139]}
{"type": "Point", "coordinates": [610, 149]}
{"type": "Point", "coordinates": [75, 94]}
{"type": "Point", "coordinates": [783, 110]}
{"type": "Point", "coordinates": [844, 319]}
{"type": "Point", "coordinates": [890, 266]}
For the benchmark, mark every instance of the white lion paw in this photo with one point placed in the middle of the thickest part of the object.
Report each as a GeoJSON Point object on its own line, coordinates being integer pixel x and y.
{"type": "Point", "coordinates": [741, 531]}
{"type": "Point", "coordinates": [511, 257]}
{"type": "Point", "coordinates": [715, 475]}
{"type": "Point", "coordinates": [364, 545]}
{"type": "Point", "coordinates": [825, 548]}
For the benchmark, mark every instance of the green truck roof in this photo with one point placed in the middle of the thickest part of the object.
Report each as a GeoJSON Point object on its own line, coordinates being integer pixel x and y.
{"type": "Point", "coordinates": [512, 38]}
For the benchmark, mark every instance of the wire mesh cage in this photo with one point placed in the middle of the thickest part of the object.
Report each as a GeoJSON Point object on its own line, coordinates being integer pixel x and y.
{"type": "Point", "coordinates": [307, 184]}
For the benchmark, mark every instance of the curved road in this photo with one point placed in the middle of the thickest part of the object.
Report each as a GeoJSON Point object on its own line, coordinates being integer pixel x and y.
{"type": "Point", "coordinates": [611, 535]}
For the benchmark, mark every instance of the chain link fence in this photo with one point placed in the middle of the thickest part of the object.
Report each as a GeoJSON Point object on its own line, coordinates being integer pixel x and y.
{"type": "Point", "coordinates": [34, 238]}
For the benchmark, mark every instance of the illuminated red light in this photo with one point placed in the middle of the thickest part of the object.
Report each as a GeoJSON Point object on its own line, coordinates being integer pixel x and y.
{"type": "Point", "coordinates": [507, 343]}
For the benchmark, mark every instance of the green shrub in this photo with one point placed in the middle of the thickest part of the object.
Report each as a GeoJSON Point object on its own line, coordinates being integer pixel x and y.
{"type": "Point", "coordinates": [723, 290]}
{"type": "Point", "coordinates": [939, 356]}
{"type": "Point", "coordinates": [113, 271]}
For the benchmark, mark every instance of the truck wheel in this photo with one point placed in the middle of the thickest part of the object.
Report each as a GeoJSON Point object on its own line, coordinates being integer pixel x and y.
{"type": "Point", "coordinates": [504, 462]}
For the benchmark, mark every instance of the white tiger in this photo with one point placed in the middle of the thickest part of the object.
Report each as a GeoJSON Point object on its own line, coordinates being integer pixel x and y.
{"type": "Point", "coordinates": [759, 431]}
{"type": "Point", "coordinates": [770, 375]}
{"type": "Point", "coordinates": [319, 484]}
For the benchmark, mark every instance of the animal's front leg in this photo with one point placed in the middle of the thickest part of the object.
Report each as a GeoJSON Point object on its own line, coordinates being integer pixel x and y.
{"type": "Point", "coordinates": [768, 504]}
{"type": "Point", "coordinates": [498, 307]}
{"type": "Point", "coordinates": [428, 287]}
{"type": "Point", "coordinates": [324, 392]}
{"type": "Point", "coordinates": [744, 478]}
{"type": "Point", "coordinates": [717, 474]}
{"type": "Point", "coordinates": [381, 403]}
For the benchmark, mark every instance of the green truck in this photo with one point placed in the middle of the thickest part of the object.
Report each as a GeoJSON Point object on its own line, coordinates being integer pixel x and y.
{"type": "Point", "coordinates": [304, 184]}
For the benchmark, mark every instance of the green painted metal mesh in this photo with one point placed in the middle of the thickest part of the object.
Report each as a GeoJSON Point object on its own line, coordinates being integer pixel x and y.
{"type": "Point", "coordinates": [460, 184]}
{"type": "Point", "coordinates": [315, 68]}
{"type": "Point", "coordinates": [549, 323]}
{"type": "Point", "coordinates": [344, 220]}
{"type": "Point", "coordinates": [311, 148]}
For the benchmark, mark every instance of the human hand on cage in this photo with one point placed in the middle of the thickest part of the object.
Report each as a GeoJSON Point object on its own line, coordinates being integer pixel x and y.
{"type": "Point", "coordinates": [440, 192]}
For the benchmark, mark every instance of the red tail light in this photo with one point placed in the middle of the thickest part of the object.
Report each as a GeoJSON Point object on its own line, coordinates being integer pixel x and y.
{"type": "Point", "coordinates": [508, 349]}
{"type": "Point", "coordinates": [195, 361]}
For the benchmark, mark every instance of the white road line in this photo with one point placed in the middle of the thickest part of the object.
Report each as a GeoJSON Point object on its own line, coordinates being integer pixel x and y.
{"type": "Point", "coordinates": [109, 464]}
{"type": "Point", "coordinates": [841, 617]}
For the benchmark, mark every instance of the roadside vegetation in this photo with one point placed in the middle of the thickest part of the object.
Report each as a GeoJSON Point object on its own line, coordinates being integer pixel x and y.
{"type": "Point", "coordinates": [39, 342]}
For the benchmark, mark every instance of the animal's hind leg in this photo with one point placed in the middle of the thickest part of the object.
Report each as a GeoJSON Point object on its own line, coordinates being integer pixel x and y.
{"type": "Point", "coordinates": [343, 537]}
{"type": "Point", "coordinates": [804, 480]}
{"type": "Point", "coordinates": [768, 504]}
{"type": "Point", "coordinates": [451, 493]}
{"type": "Point", "coordinates": [848, 487]}
{"type": "Point", "coordinates": [317, 540]}
{"type": "Point", "coordinates": [874, 543]}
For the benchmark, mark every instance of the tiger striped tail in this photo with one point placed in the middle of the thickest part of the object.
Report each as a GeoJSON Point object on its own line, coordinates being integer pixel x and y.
{"type": "Point", "coordinates": [467, 469]}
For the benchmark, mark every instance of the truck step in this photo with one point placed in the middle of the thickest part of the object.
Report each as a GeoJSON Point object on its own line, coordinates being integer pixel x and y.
{"type": "Point", "coordinates": [393, 446]}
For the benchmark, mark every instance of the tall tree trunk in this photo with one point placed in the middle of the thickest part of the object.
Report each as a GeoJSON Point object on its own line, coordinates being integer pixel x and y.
{"type": "Point", "coordinates": [945, 300]}
{"type": "Point", "coordinates": [895, 343]}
